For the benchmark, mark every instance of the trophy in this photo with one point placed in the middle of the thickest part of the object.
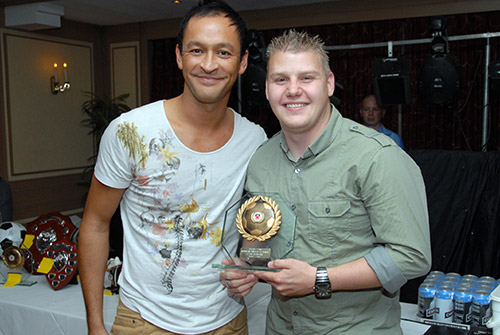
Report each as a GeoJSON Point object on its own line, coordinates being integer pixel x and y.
{"type": "Point", "coordinates": [266, 226]}
{"type": "Point", "coordinates": [14, 254]}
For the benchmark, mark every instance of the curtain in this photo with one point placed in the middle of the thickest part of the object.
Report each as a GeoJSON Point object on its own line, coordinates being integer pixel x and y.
{"type": "Point", "coordinates": [463, 199]}
{"type": "Point", "coordinates": [457, 127]}
{"type": "Point", "coordinates": [166, 78]}
{"type": "Point", "coordinates": [463, 184]}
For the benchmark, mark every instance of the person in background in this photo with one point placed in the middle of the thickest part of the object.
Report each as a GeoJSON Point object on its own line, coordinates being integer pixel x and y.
{"type": "Point", "coordinates": [174, 167]}
{"type": "Point", "coordinates": [362, 227]}
{"type": "Point", "coordinates": [372, 115]}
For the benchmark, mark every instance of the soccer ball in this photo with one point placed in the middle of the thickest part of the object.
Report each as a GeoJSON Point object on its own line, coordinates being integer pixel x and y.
{"type": "Point", "coordinates": [258, 218]}
{"type": "Point", "coordinates": [11, 234]}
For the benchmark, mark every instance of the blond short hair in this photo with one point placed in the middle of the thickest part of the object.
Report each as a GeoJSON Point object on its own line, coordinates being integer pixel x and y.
{"type": "Point", "coordinates": [295, 42]}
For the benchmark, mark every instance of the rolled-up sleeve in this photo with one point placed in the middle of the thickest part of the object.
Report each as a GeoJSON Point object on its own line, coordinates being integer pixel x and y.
{"type": "Point", "coordinates": [393, 192]}
{"type": "Point", "coordinates": [388, 273]}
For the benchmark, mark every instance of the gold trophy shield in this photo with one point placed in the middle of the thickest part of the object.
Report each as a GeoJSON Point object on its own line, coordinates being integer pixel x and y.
{"type": "Point", "coordinates": [266, 226]}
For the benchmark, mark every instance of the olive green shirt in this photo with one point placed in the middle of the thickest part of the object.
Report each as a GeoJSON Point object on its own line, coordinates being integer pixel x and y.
{"type": "Point", "coordinates": [355, 194]}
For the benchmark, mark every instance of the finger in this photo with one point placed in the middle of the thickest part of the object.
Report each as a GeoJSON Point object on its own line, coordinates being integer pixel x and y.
{"type": "Point", "coordinates": [227, 262]}
{"type": "Point", "coordinates": [266, 276]}
{"type": "Point", "coordinates": [279, 264]}
{"type": "Point", "coordinates": [242, 291]}
{"type": "Point", "coordinates": [242, 287]}
{"type": "Point", "coordinates": [234, 274]}
{"type": "Point", "coordinates": [237, 282]}
{"type": "Point", "coordinates": [227, 277]}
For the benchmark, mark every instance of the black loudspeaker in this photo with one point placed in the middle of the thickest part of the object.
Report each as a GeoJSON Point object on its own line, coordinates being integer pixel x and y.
{"type": "Point", "coordinates": [440, 80]}
{"type": "Point", "coordinates": [391, 80]}
{"type": "Point", "coordinates": [254, 79]}
{"type": "Point", "coordinates": [254, 85]}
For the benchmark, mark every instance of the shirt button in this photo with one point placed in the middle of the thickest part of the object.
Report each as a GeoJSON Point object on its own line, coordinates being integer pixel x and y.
{"type": "Point", "coordinates": [327, 210]}
{"type": "Point", "coordinates": [293, 207]}
{"type": "Point", "coordinates": [295, 313]}
{"type": "Point", "coordinates": [297, 170]}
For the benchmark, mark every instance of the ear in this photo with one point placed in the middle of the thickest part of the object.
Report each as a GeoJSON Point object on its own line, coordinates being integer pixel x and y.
{"type": "Point", "coordinates": [243, 63]}
{"type": "Point", "coordinates": [331, 83]}
{"type": "Point", "coordinates": [178, 56]}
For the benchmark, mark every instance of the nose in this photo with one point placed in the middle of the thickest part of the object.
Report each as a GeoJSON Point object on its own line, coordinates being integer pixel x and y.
{"type": "Point", "coordinates": [209, 63]}
{"type": "Point", "coordinates": [293, 88]}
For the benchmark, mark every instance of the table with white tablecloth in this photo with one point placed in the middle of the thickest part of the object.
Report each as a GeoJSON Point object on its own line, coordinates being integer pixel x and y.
{"type": "Point", "coordinates": [40, 310]}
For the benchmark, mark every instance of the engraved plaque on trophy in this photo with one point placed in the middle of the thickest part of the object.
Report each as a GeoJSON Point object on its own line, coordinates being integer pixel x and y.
{"type": "Point", "coordinates": [266, 225]}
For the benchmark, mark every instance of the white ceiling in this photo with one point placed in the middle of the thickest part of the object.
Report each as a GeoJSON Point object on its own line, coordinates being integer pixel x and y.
{"type": "Point", "coordinates": [113, 12]}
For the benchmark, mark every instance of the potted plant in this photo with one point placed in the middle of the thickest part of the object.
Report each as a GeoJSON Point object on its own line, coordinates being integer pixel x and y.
{"type": "Point", "coordinates": [100, 111]}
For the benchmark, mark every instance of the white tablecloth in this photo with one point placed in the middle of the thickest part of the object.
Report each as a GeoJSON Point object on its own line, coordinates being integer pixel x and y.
{"type": "Point", "coordinates": [40, 310]}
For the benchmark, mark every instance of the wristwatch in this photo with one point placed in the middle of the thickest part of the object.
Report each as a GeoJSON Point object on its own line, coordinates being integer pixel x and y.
{"type": "Point", "coordinates": [322, 287]}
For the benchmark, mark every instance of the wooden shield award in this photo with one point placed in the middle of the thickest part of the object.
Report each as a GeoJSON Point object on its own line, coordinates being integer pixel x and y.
{"type": "Point", "coordinates": [46, 230]}
{"type": "Point", "coordinates": [266, 226]}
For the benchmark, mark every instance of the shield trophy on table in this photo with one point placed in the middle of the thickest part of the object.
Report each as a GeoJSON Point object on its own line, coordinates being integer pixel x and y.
{"type": "Point", "coordinates": [266, 225]}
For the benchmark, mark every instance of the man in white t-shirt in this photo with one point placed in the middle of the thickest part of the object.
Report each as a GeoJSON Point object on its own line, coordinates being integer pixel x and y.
{"type": "Point", "coordinates": [174, 167]}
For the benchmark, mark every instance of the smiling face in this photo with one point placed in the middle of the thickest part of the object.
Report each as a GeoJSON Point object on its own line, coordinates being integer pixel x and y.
{"type": "Point", "coordinates": [210, 59]}
{"type": "Point", "coordinates": [298, 91]}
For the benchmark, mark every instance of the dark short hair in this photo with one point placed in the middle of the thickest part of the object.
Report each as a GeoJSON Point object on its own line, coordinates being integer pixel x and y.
{"type": "Point", "coordinates": [369, 95]}
{"type": "Point", "coordinates": [215, 8]}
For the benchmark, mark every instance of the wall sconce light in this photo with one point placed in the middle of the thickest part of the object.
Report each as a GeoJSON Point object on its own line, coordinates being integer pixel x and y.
{"type": "Point", "coordinates": [54, 81]}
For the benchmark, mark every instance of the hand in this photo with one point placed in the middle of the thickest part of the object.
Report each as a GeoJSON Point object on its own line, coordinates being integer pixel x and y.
{"type": "Point", "coordinates": [236, 281]}
{"type": "Point", "coordinates": [296, 278]}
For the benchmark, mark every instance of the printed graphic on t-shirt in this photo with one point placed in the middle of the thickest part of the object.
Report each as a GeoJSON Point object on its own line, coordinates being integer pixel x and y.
{"type": "Point", "coordinates": [170, 215]}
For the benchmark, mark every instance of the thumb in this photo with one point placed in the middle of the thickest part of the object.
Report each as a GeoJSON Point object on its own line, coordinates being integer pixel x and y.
{"type": "Point", "coordinates": [271, 265]}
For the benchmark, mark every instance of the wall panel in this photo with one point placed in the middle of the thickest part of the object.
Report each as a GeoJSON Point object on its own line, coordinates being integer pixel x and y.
{"type": "Point", "coordinates": [44, 132]}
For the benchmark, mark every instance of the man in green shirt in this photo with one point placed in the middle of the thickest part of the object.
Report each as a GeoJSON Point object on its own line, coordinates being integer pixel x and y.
{"type": "Point", "coordinates": [362, 224]}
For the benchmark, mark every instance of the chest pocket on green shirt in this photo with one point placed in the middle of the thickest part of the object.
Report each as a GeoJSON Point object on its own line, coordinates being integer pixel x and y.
{"type": "Point", "coordinates": [329, 221]}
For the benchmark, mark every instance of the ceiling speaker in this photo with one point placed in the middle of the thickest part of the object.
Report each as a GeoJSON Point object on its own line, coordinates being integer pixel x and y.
{"type": "Point", "coordinates": [391, 80]}
{"type": "Point", "coordinates": [35, 16]}
{"type": "Point", "coordinates": [440, 80]}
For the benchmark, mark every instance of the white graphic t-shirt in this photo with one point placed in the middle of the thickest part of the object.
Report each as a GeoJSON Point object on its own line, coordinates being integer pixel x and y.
{"type": "Point", "coordinates": [173, 217]}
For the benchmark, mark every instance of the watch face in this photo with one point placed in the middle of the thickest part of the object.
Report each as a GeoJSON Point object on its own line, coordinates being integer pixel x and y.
{"type": "Point", "coordinates": [323, 290]}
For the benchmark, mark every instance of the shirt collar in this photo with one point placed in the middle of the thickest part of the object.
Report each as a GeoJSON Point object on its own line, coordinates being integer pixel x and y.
{"type": "Point", "coordinates": [324, 139]}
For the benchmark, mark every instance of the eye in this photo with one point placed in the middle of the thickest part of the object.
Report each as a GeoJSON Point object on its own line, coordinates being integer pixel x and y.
{"type": "Point", "coordinates": [224, 53]}
{"type": "Point", "coordinates": [195, 51]}
{"type": "Point", "coordinates": [308, 78]}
